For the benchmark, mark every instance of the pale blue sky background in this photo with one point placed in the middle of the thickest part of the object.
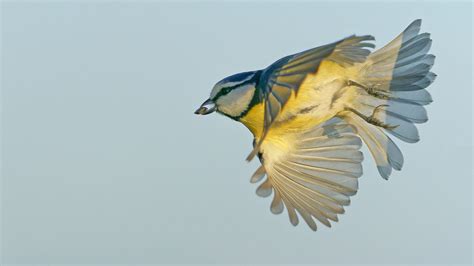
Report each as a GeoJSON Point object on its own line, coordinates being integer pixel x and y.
{"type": "Point", "coordinates": [103, 160]}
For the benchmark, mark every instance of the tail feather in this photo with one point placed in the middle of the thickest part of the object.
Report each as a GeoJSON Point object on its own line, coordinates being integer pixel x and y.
{"type": "Point", "coordinates": [415, 97]}
{"type": "Point", "coordinates": [400, 72]}
{"type": "Point", "coordinates": [403, 64]}
{"type": "Point", "coordinates": [385, 152]}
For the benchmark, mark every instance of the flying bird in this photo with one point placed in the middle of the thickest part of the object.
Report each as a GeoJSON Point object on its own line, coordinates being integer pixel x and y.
{"type": "Point", "coordinates": [310, 112]}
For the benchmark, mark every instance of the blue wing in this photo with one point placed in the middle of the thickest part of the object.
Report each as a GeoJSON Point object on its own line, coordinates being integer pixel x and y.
{"type": "Point", "coordinates": [281, 78]}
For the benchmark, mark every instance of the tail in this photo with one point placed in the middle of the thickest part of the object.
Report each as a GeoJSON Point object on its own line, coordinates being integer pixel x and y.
{"type": "Point", "coordinates": [395, 76]}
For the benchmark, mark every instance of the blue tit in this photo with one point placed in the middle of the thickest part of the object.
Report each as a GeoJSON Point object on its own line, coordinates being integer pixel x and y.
{"type": "Point", "coordinates": [310, 112]}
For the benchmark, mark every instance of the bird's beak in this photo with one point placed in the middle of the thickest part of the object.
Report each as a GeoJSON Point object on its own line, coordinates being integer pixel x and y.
{"type": "Point", "coordinates": [207, 107]}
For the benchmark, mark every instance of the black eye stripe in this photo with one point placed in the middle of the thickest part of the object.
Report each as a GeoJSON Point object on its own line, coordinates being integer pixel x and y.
{"type": "Point", "coordinates": [225, 91]}
{"type": "Point", "coordinates": [244, 79]}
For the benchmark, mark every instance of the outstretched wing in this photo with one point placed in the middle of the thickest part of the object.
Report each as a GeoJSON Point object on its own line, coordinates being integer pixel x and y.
{"type": "Point", "coordinates": [312, 173]}
{"type": "Point", "coordinates": [283, 78]}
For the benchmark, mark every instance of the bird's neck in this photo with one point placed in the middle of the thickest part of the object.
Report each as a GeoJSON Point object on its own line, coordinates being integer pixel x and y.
{"type": "Point", "coordinates": [253, 119]}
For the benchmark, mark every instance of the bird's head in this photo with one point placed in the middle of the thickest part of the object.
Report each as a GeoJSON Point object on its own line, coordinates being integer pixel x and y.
{"type": "Point", "coordinates": [231, 96]}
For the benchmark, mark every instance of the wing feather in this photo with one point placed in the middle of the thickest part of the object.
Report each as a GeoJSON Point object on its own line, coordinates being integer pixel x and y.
{"type": "Point", "coordinates": [314, 177]}
{"type": "Point", "coordinates": [283, 78]}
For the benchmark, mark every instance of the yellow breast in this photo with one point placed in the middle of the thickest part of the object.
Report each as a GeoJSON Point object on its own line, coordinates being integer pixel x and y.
{"type": "Point", "coordinates": [253, 120]}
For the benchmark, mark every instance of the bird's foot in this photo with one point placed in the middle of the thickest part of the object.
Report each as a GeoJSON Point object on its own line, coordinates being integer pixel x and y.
{"type": "Point", "coordinates": [372, 119]}
{"type": "Point", "coordinates": [370, 90]}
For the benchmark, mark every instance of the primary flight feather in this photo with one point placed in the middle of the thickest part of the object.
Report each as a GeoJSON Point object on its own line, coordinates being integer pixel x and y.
{"type": "Point", "coordinates": [310, 112]}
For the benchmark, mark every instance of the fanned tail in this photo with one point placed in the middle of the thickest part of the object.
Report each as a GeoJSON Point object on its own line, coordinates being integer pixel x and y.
{"type": "Point", "coordinates": [394, 78]}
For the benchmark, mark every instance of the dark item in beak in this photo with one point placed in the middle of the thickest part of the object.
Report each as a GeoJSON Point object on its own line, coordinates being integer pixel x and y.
{"type": "Point", "coordinates": [207, 107]}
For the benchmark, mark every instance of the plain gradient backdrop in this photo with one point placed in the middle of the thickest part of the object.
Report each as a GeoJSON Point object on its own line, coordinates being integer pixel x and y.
{"type": "Point", "coordinates": [103, 160]}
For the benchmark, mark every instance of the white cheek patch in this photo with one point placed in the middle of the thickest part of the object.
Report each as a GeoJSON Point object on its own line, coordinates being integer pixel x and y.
{"type": "Point", "coordinates": [237, 101]}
